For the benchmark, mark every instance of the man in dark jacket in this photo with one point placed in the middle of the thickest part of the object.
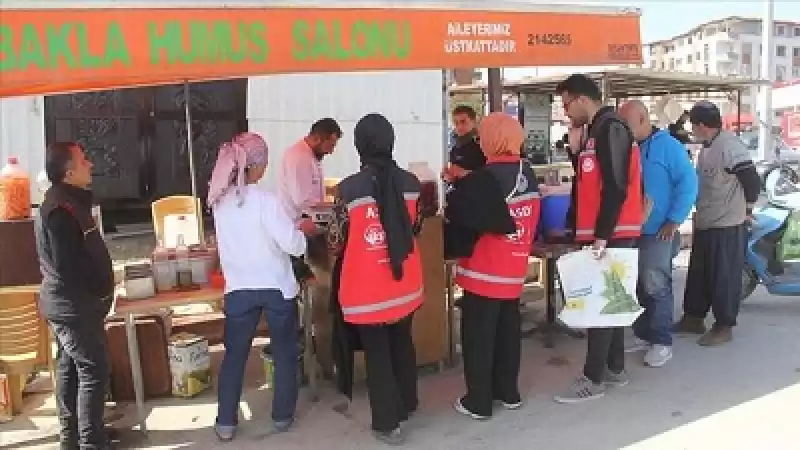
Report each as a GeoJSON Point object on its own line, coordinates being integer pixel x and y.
{"type": "Point", "coordinates": [75, 295]}
{"type": "Point", "coordinates": [613, 141]}
{"type": "Point", "coordinates": [466, 154]}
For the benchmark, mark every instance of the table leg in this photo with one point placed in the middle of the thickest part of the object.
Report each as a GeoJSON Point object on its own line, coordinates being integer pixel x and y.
{"type": "Point", "coordinates": [309, 358]}
{"type": "Point", "coordinates": [552, 326]}
{"type": "Point", "coordinates": [136, 370]}
{"type": "Point", "coordinates": [450, 291]}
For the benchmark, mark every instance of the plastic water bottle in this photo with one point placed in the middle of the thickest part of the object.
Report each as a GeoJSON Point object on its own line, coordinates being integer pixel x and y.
{"type": "Point", "coordinates": [183, 266]}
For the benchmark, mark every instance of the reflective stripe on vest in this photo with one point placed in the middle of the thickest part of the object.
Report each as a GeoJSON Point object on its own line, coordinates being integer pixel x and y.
{"type": "Point", "coordinates": [367, 200]}
{"type": "Point", "coordinates": [589, 195]}
{"type": "Point", "coordinates": [498, 264]}
{"type": "Point", "coordinates": [486, 277]}
{"type": "Point", "coordinates": [368, 292]}
{"type": "Point", "coordinates": [382, 306]}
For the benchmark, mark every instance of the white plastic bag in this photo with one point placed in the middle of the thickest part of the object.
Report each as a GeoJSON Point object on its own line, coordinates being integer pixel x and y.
{"type": "Point", "coordinates": [599, 293]}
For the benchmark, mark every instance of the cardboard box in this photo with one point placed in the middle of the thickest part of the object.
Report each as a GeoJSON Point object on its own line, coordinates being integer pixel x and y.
{"type": "Point", "coordinates": [190, 364]}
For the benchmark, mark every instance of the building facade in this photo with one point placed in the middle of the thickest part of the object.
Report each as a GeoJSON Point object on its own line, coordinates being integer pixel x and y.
{"type": "Point", "coordinates": [729, 47]}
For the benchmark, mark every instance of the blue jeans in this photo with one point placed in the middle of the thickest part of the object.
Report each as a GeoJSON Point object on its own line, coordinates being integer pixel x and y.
{"type": "Point", "coordinates": [243, 311]}
{"type": "Point", "coordinates": [654, 289]}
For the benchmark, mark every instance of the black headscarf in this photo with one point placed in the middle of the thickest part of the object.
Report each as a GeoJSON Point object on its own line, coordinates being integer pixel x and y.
{"type": "Point", "coordinates": [374, 140]}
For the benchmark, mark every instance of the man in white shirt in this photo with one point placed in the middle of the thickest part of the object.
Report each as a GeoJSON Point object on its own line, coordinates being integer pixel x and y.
{"type": "Point", "coordinates": [301, 186]}
{"type": "Point", "coordinates": [300, 180]}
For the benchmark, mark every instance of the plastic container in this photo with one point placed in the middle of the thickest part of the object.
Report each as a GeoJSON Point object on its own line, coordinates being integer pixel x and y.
{"type": "Point", "coordinates": [429, 189]}
{"type": "Point", "coordinates": [15, 192]}
{"type": "Point", "coordinates": [163, 269]}
{"type": "Point", "coordinates": [183, 266]}
{"type": "Point", "coordinates": [554, 213]}
{"type": "Point", "coordinates": [201, 268]}
{"type": "Point", "coordinates": [268, 362]}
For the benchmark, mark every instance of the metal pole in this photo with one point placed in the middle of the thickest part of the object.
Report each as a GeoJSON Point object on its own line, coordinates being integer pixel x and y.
{"type": "Point", "coordinates": [765, 150]}
{"type": "Point", "coordinates": [201, 234]}
{"type": "Point", "coordinates": [495, 88]}
{"type": "Point", "coordinates": [189, 144]}
{"type": "Point", "coordinates": [739, 112]}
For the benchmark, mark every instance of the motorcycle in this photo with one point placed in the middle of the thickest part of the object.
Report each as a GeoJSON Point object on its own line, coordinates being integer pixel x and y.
{"type": "Point", "coordinates": [773, 244]}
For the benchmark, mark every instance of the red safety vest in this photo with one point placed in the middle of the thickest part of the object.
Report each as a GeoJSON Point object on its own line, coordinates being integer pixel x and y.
{"type": "Point", "coordinates": [368, 293]}
{"type": "Point", "coordinates": [499, 263]}
{"type": "Point", "coordinates": [589, 192]}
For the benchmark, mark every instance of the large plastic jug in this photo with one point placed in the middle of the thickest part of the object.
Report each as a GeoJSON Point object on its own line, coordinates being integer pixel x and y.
{"type": "Point", "coordinates": [15, 192]}
{"type": "Point", "coordinates": [429, 189]}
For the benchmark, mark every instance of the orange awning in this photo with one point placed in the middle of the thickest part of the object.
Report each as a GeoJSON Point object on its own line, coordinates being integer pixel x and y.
{"type": "Point", "coordinates": [49, 51]}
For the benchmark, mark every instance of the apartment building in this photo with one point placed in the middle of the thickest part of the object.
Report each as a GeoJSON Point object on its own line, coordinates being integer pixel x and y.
{"type": "Point", "coordinates": [729, 47]}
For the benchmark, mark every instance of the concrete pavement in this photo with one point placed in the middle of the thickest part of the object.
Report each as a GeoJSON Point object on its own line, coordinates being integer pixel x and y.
{"type": "Point", "coordinates": [741, 396]}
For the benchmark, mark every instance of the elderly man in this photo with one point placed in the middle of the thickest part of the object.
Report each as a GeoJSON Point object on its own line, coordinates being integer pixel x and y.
{"type": "Point", "coordinates": [729, 187]}
{"type": "Point", "coordinates": [670, 188]}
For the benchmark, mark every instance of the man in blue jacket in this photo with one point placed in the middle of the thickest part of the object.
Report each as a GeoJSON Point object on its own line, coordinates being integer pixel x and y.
{"type": "Point", "coordinates": [670, 187]}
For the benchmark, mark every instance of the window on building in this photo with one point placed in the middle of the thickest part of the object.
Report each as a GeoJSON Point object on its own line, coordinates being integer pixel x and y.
{"type": "Point", "coordinates": [780, 73]}
{"type": "Point", "coordinates": [689, 40]}
{"type": "Point", "coordinates": [689, 59]}
{"type": "Point", "coordinates": [780, 30]}
{"type": "Point", "coordinates": [795, 52]}
{"type": "Point", "coordinates": [671, 63]}
{"type": "Point", "coordinates": [710, 31]}
{"type": "Point", "coordinates": [795, 72]}
{"type": "Point", "coordinates": [796, 31]}
{"type": "Point", "coordinates": [705, 69]}
{"type": "Point", "coordinates": [697, 56]}
{"type": "Point", "coordinates": [663, 65]}
{"type": "Point", "coordinates": [706, 52]}
{"type": "Point", "coordinates": [780, 51]}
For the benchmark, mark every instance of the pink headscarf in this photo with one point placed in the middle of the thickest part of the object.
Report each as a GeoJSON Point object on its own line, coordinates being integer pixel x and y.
{"type": "Point", "coordinates": [245, 150]}
{"type": "Point", "coordinates": [501, 135]}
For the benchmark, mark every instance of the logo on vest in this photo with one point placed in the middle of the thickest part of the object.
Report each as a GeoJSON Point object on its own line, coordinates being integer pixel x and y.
{"type": "Point", "coordinates": [520, 215]}
{"type": "Point", "coordinates": [587, 165]}
{"type": "Point", "coordinates": [516, 237]}
{"type": "Point", "coordinates": [590, 144]}
{"type": "Point", "coordinates": [375, 236]}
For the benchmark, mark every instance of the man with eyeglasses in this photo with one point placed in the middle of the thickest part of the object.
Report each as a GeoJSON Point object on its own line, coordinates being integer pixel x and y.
{"type": "Point", "coordinates": [607, 212]}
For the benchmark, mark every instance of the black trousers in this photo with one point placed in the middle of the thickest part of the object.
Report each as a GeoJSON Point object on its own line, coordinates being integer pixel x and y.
{"type": "Point", "coordinates": [715, 272]}
{"type": "Point", "coordinates": [391, 372]}
{"type": "Point", "coordinates": [606, 346]}
{"type": "Point", "coordinates": [82, 379]}
{"type": "Point", "coordinates": [490, 340]}
{"type": "Point", "coordinates": [605, 350]}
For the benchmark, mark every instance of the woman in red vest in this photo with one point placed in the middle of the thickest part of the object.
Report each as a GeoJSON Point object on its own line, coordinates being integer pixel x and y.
{"type": "Point", "coordinates": [493, 275]}
{"type": "Point", "coordinates": [378, 274]}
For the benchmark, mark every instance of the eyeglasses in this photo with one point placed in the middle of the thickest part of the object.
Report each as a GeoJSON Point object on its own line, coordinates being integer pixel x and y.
{"type": "Point", "coordinates": [566, 104]}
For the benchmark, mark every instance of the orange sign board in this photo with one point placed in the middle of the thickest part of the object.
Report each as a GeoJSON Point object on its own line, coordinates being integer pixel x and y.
{"type": "Point", "coordinates": [56, 51]}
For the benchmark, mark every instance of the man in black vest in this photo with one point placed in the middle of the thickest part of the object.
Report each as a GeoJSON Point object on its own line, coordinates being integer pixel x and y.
{"type": "Point", "coordinates": [75, 296]}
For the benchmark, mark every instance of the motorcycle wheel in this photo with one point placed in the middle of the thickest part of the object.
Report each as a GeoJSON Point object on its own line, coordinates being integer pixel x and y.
{"type": "Point", "coordinates": [749, 283]}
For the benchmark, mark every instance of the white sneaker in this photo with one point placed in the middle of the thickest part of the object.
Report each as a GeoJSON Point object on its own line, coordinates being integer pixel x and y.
{"type": "Point", "coordinates": [637, 345]}
{"type": "Point", "coordinates": [658, 355]}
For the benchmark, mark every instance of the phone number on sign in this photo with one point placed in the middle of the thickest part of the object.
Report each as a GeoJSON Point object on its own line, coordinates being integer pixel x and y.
{"type": "Point", "coordinates": [550, 39]}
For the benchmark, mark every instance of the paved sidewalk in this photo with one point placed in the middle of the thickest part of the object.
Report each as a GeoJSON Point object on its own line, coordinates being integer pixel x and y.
{"type": "Point", "coordinates": [741, 396]}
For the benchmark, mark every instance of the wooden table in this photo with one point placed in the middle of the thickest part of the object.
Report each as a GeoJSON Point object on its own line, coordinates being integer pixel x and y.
{"type": "Point", "coordinates": [129, 308]}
